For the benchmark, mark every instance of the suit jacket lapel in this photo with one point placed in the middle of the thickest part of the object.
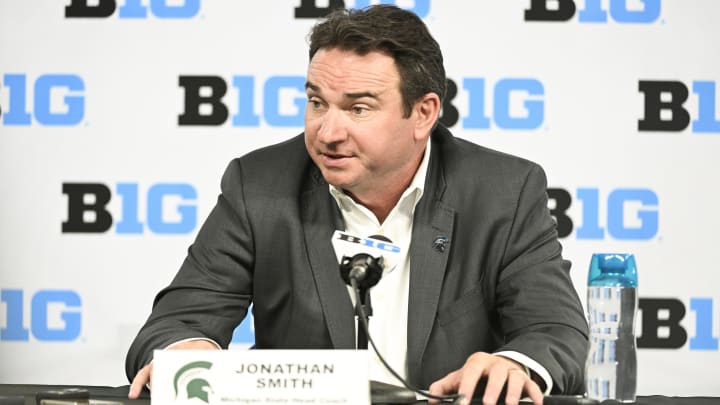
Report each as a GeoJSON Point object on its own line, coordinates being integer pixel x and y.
{"type": "Point", "coordinates": [433, 221]}
{"type": "Point", "coordinates": [320, 217]}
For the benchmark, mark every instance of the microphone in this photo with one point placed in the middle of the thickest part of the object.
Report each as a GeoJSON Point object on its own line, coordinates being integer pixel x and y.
{"type": "Point", "coordinates": [363, 268]}
{"type": "Point", "coordinates": [362, 271]}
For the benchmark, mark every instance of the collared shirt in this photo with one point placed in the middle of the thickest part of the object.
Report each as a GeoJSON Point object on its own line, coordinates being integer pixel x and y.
{"type": "Point", "coordinates": [389, 298]}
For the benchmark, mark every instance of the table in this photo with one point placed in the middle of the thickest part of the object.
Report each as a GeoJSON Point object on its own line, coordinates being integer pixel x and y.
{"type": "Point", "coordinates": [119, 395]}
{"type": "Point", "coordinates": [28, 391]}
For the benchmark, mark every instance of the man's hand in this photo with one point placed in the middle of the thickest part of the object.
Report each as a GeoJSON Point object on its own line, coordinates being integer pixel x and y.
{"type": "Point", "coordinates": [143, 376]}
{"type": "Point", "coordinates": [500, 371]}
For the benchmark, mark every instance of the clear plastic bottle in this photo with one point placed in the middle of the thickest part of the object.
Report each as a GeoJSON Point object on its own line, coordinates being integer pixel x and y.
{"type": "Point", "coordinates": [612, 302]}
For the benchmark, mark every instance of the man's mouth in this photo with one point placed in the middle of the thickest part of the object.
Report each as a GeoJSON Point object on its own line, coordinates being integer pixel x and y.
{"type": "Point", "coordinates": [335, 155]}
{"type": "Point", "coordinates": [332, 159]}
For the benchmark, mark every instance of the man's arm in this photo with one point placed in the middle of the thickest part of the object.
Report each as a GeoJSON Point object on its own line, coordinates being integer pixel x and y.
{"type": "Point", "coordinates": [212, 291]}
{"type": "Point", "coordinates": [539, 310]}
{"type": "Point", "coordinates": [144, 375]}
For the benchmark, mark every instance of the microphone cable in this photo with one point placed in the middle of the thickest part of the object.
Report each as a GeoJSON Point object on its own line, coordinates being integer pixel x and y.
{"type": "Point", "coordinates": [453, 398]}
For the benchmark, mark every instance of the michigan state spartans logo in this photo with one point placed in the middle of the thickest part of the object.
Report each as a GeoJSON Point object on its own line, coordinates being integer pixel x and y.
{"type": "Point", "coordinates": [191, 382]}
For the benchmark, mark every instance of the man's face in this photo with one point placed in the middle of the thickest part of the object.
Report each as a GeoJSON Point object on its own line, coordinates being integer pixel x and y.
{"type": "Point", "coordinates": [354, 126]}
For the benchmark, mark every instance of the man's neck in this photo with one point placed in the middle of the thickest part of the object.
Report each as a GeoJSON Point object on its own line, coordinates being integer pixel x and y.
{"type": "Point", "coordinates": [381, 200]}
{"type": "Point", "coordinates": [379, 204]}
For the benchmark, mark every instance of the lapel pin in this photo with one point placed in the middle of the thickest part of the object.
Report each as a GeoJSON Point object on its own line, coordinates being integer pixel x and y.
{"type": "Point", "coordinates": [440, 243]}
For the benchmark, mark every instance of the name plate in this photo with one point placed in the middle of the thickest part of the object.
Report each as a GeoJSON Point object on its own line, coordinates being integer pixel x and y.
{"type": "Point", "coordinates": [329, 377]}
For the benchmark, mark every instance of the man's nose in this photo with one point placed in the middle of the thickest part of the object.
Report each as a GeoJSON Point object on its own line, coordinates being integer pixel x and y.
{"type": "Point", "coordinates": [332, 127]}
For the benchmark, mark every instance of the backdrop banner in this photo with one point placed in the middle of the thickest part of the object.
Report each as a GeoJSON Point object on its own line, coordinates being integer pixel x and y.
{"type": "Point", "coordinates": [118, 117]}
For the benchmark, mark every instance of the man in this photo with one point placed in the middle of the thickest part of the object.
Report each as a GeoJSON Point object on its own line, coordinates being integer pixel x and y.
{"type": "Point", "coordinates": [481, 292]}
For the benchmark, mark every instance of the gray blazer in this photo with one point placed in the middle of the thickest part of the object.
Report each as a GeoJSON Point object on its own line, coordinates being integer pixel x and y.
{"type": "Point", "coordinates": [500, 283]}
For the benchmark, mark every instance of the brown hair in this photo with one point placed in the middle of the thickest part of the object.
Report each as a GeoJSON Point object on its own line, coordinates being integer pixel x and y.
{"type": "Point", "coordinates": [394, 31]}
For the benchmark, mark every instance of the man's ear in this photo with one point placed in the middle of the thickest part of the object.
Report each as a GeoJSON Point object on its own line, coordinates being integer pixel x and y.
{"type": "Point", "coordinates": [427, 112]}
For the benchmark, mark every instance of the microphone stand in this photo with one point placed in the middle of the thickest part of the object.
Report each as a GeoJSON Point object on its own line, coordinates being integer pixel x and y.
{"type": "Point", "coordinates": [362, 272]}
{"type": "Point", "coordinates": [366, 271]}
{"type": "Point", "coordinates": [453, 398]}
{"type": "Point", "coordinates": [365, 306]}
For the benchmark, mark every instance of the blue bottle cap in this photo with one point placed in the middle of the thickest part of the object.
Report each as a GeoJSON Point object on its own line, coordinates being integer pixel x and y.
{"type": "Point", "coordinates": [613, 270]}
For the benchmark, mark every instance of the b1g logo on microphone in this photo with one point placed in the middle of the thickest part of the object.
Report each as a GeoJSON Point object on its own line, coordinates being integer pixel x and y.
{"type": "Point", "coordinates": [135, 9]}
{"type": "Point", "coordinates": [662, 329]}
{"type": "Point", "coordinates": [631, 213]}
{"type": "Point", "coordinates": [517, 104]}
{"type": "Point", "coordinates": [310, 8]}
{"type": "Point", "coordinates": [49, 99]}
{"type": "Point", "coordinates": [170, 208]}
{"type": "Point", "coordinates": [665, 106]}
{"type": "Point", "coordinates": [54, 315]}
{"type": "Point", "coordinates": [593, 11]}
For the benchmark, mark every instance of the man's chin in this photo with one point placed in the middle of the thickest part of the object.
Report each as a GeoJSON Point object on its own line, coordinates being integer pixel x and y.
{"type": "Point", "coordinates": [342, 183]}
{"type": "Point", "coordinates": [336, 177]}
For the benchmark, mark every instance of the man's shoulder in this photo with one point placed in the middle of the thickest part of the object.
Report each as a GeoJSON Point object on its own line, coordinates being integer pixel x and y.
{"type": "Point", "coordinates": [464, 155]}
{"type": "Point", "coordinates": [284, 157]}
{"type": "Point", "coordinates": [282, 166]}
{"type": "Point", "coordinates": [475, 176]}
{"type": "Point", "coordinates": [293, 148]}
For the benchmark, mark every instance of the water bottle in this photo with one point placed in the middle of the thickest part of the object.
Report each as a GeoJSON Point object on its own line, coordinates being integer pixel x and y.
{"type": "Point", "coordinates": [611, 366]}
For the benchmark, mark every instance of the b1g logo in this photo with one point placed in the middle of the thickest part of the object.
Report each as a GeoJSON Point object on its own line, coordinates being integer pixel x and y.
{"type": "Point", "coordinates": [665, 110]}
{"type": "Point", "coordinates": [310, 9]}
{"type": "Point", "coordinates": [88, 212]}
{"type": "Point", "coordinates": [55, 315]}
{"type": "Point", "coordinates": [620, 11]}
{"type": "Point", "coordinates": [166, 9]}
{"type": "Point", "coordinates": [662, 329]}
{"type": "Point", "coordinates": [284, 101]}
{"type": "Point", "coordinates": [517, 103]}
{"type": "Point", "coordinates": [56, 100]}
{"type": "Point", "coordinates": [643, 202]}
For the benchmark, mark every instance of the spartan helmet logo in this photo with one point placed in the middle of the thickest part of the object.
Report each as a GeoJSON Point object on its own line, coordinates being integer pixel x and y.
{"type": "Point", "coordinates": [191, 382]}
